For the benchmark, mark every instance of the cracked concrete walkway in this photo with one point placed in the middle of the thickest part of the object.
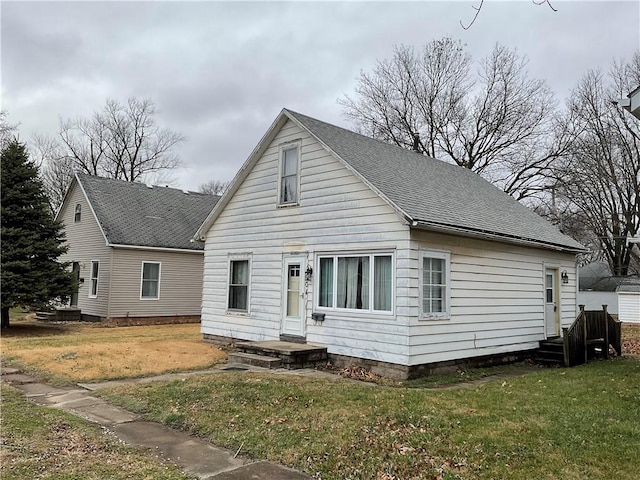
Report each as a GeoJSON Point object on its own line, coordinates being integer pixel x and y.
{"type": "Point", "coordinates": [194, 456]}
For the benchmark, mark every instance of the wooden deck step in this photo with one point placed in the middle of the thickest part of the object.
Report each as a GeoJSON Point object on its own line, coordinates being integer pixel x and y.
{"type": "Point", "coordinates": [291, 355]}
{"type": "Point", "coordinates": [551, 352]}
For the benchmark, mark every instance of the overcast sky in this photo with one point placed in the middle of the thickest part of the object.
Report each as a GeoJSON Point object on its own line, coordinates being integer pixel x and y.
{"type": "Point", "coordinates": [220, 72]}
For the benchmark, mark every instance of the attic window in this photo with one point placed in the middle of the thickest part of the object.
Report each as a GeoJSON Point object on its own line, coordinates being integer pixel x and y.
{"type": "Point", "coordinates": [289, 175]}
{"type": "Point", "coordinates": [77, 213]}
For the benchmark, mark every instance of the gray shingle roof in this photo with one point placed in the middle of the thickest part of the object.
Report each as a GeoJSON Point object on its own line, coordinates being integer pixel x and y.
{"type": "Point", "coordinates": [434, 194]}
{"type": "Point", "coordinates": [134, 214]}
{"type": "Point", "coordinates": [597, 277]}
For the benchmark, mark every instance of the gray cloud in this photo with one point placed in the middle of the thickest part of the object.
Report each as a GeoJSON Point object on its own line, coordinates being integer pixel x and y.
{"type": "Point", "coordinates": [220, 72]}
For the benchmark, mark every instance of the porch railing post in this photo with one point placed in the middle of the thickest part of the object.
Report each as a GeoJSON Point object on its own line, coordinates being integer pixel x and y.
{"type": "Point", "coordinates": [606, 331]}
{"type": "Point", "coordinates": [583, 322]}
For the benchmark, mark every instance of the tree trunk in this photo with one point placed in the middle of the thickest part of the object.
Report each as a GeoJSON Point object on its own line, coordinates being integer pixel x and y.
{"type": "Point", "coordinates": [5, 318]}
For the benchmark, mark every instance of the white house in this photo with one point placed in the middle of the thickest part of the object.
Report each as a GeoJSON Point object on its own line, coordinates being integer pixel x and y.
{"type": "Point", "coordinates": [381, 254]}
{"type": "Point", "coordinates": [130, 248]}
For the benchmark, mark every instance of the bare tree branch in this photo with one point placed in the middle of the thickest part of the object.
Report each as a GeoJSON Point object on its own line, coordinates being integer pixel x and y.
{"type": "Point", "coordinates": [498, 122]}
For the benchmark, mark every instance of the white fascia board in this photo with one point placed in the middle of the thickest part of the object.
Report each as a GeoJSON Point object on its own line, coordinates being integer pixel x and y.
{"type": "Point", "coordinates": [156, 249]}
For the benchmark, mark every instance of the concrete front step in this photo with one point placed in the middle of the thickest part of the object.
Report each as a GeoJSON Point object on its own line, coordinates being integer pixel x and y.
{"type": "Point", "coordinates": [254, 360]}
{"type": "Point", "coordinates": [291, 355]}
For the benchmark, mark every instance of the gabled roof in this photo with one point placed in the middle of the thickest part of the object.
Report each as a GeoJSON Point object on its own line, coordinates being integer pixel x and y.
{"type": "Point", "coordinates": [133, 214]}
{"type": "Point", "coordinates": [428, 193]}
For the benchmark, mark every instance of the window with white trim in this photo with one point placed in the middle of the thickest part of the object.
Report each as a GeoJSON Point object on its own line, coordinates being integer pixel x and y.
{"type": "Point", "coordinates": [77, 213]}
{"type": "Point", "coordinates": [150, 281]}
{"type": "Point", "coordinates": [435, 284]}
{"type": "Point", "coordinates": [289, 183]}
{"type": "Point", "coordinates": [93, 290]}
{"type": "Point", "coordinates": [238, 300]}
{"type": "Point", "coordinates": [356, 282]}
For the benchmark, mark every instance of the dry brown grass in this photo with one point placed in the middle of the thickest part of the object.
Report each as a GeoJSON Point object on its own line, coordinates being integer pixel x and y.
{"type": "Point", "coordinates": [89, 352]}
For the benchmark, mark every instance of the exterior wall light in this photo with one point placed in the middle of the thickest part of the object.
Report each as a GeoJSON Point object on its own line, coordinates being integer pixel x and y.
{"type": "Point", "coordinates": [565, 277]}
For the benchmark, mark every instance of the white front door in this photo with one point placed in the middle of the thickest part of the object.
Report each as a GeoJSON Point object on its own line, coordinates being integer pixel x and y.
{"type": "Point", "coordinates": [551, 310]}
{"type": "Point", "coordinates": [293, 301]}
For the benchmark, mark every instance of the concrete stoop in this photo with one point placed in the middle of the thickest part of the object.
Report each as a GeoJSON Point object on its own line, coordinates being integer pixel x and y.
{"type": "Point", "coordinates": [278, 354]}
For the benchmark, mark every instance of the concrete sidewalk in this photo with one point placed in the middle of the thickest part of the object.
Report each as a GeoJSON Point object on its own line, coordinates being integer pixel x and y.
{"type": "Point", "coordinates": [194, 456]}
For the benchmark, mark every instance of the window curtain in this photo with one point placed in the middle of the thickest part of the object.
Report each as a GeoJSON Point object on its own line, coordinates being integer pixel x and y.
{"type": "Point", "coordinates": [326, 282]}
{"type": "Point", "coordinates": [239, 283]}
{"type": "Point", "coordinates": [382, 283]}
{"type": "Point", "coordinates": [353, 283]}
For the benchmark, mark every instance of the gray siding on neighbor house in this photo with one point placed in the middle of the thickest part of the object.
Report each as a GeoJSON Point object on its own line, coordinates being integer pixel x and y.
{"type": "Point", "coordinates": [180, 283]}
{"type": "Point", "coordinates": [86, 243]}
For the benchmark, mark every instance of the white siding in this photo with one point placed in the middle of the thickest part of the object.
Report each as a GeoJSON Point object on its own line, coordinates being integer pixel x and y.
{"type": "Point", "coordinates": [497, 299]}
{"type": "Point", "coordinates": [595, 300]}
{"type": "Point", "coordinates": [629, 307]}
{"type": "Point", "coordinates": [86, 243]}
{"type": "Point", "coordinates": [337, 213]}
{"type": "Point", "coordinates": [497, 290]}
{"type": "Point", "coordinates": [180, 283]}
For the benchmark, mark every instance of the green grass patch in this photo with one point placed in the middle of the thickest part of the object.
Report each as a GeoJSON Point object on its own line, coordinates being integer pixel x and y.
{"type": "Point", "coordinates": [576, 423]}
{"type": "Point", "coordinates": [38, 442]}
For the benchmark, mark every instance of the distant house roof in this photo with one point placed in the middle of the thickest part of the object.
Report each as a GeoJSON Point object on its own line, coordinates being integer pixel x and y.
{"type": "Point", "coordinates": [429, 193]}
{"type": "Point", "coordinates": [597, 277]}
{"type": "Point", "coordinates": [134, 214]}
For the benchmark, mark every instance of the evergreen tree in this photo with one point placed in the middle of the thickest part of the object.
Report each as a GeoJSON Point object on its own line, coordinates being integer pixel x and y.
{"type": "Point", "coordinates": [31, 239]}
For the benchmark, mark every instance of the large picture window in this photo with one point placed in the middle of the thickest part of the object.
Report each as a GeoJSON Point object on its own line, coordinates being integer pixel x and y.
{"type": "Point", "coordinates": [435, 293]}
{"type": "Point", "coordinates": [356, 282]}
{"type": "Point", "coordinates": [239, 285]}
{"type": "Point", "coordinates": [150, 285]}
{"type": "Point", "coordinates": [289, 166]}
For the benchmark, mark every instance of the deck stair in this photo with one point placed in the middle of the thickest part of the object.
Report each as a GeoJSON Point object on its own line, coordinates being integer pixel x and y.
{"type": "Point", "coordinates": [551, 352]}
{"type": "Point", "coordinates": [593, 334]}
{"type": "Point", "coordinates": [278, 354]}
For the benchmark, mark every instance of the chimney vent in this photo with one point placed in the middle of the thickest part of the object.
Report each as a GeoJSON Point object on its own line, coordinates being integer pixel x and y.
{"type": "Point", "coordinates": [416, 142]}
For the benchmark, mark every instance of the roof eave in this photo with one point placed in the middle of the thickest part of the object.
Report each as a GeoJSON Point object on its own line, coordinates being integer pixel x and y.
{"type": "Point", "coordinates": [494, 236]}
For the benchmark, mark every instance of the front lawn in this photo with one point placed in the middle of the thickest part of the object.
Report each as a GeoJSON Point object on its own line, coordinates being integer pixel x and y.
{"type": "Point", "coordinates": [82, 352]}
{"type": "Point", "coordinates": [576, 423]}
{"type": "Point", "coordinates": [38, 442]}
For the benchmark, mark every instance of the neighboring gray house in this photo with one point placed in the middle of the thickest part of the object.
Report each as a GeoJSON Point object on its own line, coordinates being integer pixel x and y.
{"type": "Point", "coordinates": [130, 246]}
{"type": "Point", "coordinates": [598, 286]}
{"type": "Point", "coordinates": [379, 254]}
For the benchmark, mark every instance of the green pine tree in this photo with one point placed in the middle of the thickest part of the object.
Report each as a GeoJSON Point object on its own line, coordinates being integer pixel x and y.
{"type": "Point", "coordinates": [31, 239]}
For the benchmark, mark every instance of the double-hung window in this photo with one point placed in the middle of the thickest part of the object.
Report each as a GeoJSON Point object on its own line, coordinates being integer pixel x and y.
{"type": "Point", "coordinates": [289, 175]}
{"type": "Point", "coordinates": [356, 282]}
{"type": "Point", "coordinates": [238, 285]}
{"type": "Point", "coordinates": [435, 284]}
{"type": "Point", "coordinates": [150, 284]}
{"type": "Point", "coordinates": [93, 290]}
{"type": "Point", "coordinates": [77, 213]}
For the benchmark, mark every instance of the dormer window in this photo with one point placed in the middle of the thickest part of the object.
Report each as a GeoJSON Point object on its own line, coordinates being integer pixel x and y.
{"type": "Point", "coordinates": [78, 213]}
{"type": "Point", "coordinates": [289, 175]}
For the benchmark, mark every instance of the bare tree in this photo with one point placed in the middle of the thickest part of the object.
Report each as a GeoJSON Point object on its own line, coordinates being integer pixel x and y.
{"type": "Point", "coordinates": [496, 120]}
{"type": "Point", "coordinates": [478, 9]}
{"type": "Point", "coordinates": [121, 141]}
{"type": "Point", "coordinates": [599, 176]}
{"type": "Point", "coordinates": [213, 187]}
{"type": "Point", "coordinates": [56, 168]}
{"type": "Point", "coordinates": [7, 130]}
